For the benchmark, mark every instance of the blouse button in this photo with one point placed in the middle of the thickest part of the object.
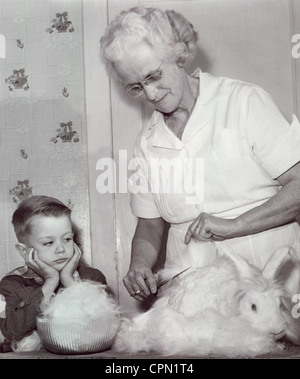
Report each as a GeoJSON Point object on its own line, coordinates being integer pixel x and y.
{"type": "Point", "coordinates": [21, 305]}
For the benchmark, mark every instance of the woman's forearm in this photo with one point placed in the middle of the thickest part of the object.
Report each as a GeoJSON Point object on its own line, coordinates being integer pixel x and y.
{"type": "Point", "coordinates": [147, 242]}
{"type": "Point", "coordinates": [281, 209]}
{"type": "Point", "coordinates": [146, 245]}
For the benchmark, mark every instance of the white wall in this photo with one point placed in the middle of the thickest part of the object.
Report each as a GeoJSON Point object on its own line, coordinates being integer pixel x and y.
{"type": "Point", "coordinates": [245, 39]}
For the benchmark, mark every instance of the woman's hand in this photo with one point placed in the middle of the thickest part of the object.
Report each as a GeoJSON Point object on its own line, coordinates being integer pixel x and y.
{"type": "Point", "coordinates": [140, 282]}
{"type": "Point", "coordinates": [43, 269]}
{"type": "Point", "coordinates": [66, 274]}
{"type": "Point", "coordinates": [210, 228]}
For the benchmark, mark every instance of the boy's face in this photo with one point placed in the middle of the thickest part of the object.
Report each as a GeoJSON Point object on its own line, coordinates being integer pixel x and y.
{"type": "Point", "coordinates": [52, 237]}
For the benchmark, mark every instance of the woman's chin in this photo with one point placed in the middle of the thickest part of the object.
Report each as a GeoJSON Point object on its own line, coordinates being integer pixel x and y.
{"type": "Point", "coordinates": [165, 105]}
{"type": "Point", "coordinates": [166, 109]}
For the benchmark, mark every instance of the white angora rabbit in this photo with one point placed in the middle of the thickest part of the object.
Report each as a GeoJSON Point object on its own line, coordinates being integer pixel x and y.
{"type": "Point", "coordinates": [228, 308]}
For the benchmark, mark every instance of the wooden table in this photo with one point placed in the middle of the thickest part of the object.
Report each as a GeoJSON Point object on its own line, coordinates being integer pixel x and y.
{"type": "Point", "coordinates": [291, 352]}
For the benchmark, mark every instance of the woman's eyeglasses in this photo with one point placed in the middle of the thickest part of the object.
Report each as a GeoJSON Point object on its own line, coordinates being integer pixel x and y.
{"type": "Point", "coordinates": [137, 89]}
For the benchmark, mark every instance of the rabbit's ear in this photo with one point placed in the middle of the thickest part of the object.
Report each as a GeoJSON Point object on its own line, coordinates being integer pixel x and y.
{"type": "Point", "coordinates": [288, 273]}
{"type": "Point", "coordinates": [242, 266]}
{"type": "Point", "coordinates": [274, 262]}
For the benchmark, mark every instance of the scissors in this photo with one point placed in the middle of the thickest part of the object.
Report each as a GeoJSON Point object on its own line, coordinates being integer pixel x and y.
{"type": "Point", "coordinates": [162, 282]}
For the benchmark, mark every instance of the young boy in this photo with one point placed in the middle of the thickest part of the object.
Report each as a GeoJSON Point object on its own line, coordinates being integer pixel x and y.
{"type": "Point", "coordinates": [44, 230]}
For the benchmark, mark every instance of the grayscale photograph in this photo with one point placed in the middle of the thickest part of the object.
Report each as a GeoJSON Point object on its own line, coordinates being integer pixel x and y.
{"type": "Point", "coordinates": [150, 182]}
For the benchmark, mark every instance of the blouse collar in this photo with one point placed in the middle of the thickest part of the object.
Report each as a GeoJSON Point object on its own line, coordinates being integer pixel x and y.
{"type": "Point", "coordinates": [163, 137]}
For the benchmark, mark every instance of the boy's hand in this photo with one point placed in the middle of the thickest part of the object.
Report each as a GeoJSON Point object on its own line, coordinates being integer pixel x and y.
{"type": "Point", "coordinates": [66, 274]}
{"type": "Point", "coordinates": [50, 275]}
{"type": "Point", "coordinates": [43, 269]}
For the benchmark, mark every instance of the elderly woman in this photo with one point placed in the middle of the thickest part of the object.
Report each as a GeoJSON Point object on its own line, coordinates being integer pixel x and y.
{"type": "Point", "coordinates": [225, 135]}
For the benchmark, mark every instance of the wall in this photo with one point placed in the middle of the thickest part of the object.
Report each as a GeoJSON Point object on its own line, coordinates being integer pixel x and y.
{"type": "Point", "coordinates": [244, 39]}
{"type": "Point", "coordinates": [39, 153]}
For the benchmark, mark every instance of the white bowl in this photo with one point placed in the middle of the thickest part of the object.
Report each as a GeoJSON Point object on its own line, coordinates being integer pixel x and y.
{"type": "Point", "coordinates": [76, 335]}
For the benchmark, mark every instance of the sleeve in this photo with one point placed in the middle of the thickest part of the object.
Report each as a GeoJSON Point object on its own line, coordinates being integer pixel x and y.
{"type": "Point", "coordinates": [22, 305]}
{"type": "Point", "coordinates": [99, 277]}
{"type": "Point", "coordinates": [95, 275]}
{"type": "Point", "coordinates": [275, 142]}
{"type": "Point", "coordinates": [141, 199]}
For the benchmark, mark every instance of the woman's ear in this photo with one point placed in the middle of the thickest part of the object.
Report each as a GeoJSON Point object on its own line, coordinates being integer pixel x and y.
{"type": "Point", "coordinates": [182, 53]}
{"type": "Point", "coordinates": [22, 249]}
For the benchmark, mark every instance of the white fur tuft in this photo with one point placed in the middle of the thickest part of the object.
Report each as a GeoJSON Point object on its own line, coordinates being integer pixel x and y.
{"type": "Point", "coordinates": [32, 342]}
{"type": "Point", "coordinates": [84, 299]}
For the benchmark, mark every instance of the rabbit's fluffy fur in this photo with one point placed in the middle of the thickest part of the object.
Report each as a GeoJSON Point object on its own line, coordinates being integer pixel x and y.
{"type": "Point", "coordinates": [228, 308]}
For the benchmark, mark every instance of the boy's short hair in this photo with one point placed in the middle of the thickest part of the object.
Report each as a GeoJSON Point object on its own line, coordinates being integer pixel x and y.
{"type": "Point", "coordinates": [33, 206]}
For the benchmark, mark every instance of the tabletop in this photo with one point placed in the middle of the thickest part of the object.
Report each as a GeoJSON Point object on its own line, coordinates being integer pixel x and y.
{"type": "Point", "coordinates": [290, 352]}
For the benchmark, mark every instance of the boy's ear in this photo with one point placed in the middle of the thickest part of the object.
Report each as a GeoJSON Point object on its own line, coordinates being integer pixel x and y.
{"type": "Point", "coordinates": [22, 249]}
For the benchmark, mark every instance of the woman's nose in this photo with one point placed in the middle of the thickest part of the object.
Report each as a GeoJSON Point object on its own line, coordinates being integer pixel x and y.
{"type": "Point", "coordinates": [150, 91]}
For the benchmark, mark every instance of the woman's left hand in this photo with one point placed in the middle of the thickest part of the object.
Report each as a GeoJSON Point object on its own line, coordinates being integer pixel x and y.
{"type": "Point", "coordinates": [66, 274]}
{"type": "Point", "coordinates": [210, 228]}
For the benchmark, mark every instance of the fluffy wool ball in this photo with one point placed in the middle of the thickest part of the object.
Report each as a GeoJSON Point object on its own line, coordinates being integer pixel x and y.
{"type": "Point", "coordinates": [81, 300]}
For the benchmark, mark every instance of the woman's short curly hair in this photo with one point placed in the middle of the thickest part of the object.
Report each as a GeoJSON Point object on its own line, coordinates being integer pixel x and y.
{"type": "Point", "coordinates": [168, 32]}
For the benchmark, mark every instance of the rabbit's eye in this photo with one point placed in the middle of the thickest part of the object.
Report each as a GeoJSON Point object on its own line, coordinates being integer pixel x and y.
{"type": "Point", "coordinates": [253, 307]}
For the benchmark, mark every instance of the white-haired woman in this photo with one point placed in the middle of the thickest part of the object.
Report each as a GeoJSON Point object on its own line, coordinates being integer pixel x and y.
{"type": "Point", "coordinates": [223, 135]}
